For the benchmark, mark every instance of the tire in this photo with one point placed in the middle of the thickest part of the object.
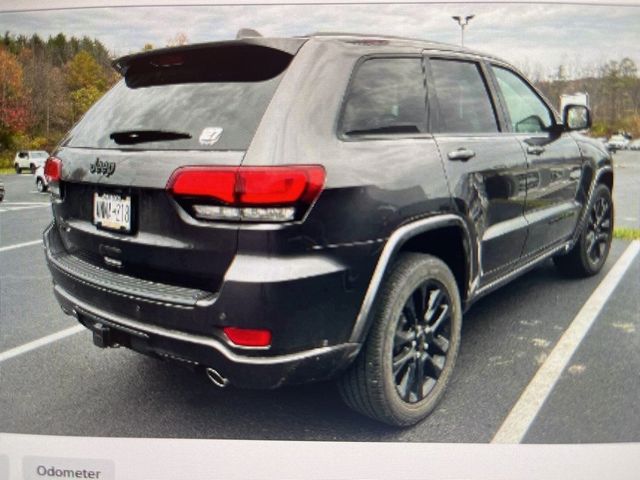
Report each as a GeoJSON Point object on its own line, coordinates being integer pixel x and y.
{"type": "Point", "coordinates": [17, 167]}
{"type": "Point", "coordinates": [32, 169]}
{"type": "Point", "coordinates": [590, 252]}
{"type": "Point", "coordinates": [370, 385]}
{"type": "Point", "coordinates": [40, 186]}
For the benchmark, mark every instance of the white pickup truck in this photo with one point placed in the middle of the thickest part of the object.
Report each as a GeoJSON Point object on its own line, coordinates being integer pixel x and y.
{"type": "Point", "coordinates": [29, 160]}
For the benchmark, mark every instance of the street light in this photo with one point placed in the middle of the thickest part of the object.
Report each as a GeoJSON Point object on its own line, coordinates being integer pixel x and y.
{"type": "Point", "coordinates": [463, 23]}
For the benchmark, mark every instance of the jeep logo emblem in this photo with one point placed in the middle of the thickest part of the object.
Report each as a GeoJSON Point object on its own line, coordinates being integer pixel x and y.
{"type": "Point", "coordinates": [102, 168]}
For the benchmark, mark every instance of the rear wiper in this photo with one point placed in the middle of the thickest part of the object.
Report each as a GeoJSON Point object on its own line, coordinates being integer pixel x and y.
{"type": "Point", "coordinates": [131, 137]}
{"type": "Point", "coordinates": [388, 130]}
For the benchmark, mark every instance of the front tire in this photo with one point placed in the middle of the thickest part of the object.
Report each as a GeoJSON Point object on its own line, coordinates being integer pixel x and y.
{"type": "Point", "coordinates": [407, 361]}
{"type": "Point", "coordinates": [17, 167]}
{"type": "Point", "coordinates": [590, 252]}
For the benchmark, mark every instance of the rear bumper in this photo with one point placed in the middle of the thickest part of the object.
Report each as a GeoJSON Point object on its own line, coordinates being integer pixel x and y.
{"type": "Point", "coordinates": [241, 371]}
{"type": "Point", "coordinates": [305, 314]}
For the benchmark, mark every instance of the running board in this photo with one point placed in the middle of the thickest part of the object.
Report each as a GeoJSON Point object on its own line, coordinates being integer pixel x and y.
{"type": "Point", "coordinates": [520, 270]}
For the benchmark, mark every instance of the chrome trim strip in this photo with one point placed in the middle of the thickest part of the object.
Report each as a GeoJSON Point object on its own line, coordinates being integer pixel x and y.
{"type": "Point", "coordinates": [196, 339]}
{"type": "Point", "coordinates": [399, 236]}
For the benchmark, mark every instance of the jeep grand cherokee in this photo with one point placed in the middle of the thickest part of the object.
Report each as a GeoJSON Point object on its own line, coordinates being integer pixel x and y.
{"type": "Point", "coordinates": [286, 210]}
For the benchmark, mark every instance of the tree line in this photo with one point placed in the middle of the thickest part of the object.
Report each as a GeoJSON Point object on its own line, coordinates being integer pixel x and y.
{"type": "Point", "coordinates": [47, 85]}
{"type": "Point", "coordinates": [614, 94]}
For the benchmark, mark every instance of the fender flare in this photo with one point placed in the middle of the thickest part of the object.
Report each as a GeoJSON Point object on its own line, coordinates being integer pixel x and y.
{"type": "Point", "coordinates": [395, 242]}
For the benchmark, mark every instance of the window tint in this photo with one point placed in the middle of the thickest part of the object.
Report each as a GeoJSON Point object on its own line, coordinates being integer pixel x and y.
{"type": "Point", "coordinates": [181, 104]}
{"type": "Point", "coordinates": [387, 96]}
{"type": "Point", "coordinates": [463, 100]}
{"type": "Point", "coordinates": [528, 113]}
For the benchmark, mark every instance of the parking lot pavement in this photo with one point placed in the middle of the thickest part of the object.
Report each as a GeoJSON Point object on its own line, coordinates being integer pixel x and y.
{"type": "Point", "coordinates": [626, 189]}
{"type": "Point", "coordinates": [598, 394]}
{"type": "Point", "coordinates": [69, 387]}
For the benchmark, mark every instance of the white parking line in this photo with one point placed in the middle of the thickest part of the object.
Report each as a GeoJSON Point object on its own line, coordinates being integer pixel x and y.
{"type": "Point", "coordinates": [19, 245]}
{"type": "Point", "coordinates": [27, 347]}
{"type": "Point", "coordinates": [21, 207]}
{"type": "Point", "coordinates": [531, 400]}
{"type": "Point", "coordinates": [26, 203]}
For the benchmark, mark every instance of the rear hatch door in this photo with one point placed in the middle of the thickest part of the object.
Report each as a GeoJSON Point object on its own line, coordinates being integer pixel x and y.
{"type": "Point", "coordinates": [198, 105]}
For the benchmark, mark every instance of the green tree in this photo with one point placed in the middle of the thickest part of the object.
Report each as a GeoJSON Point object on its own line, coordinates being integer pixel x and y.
{"type": "Point", "coordinates": [83, 71]}
{"type": "Point", "coordinates": [84, 97]}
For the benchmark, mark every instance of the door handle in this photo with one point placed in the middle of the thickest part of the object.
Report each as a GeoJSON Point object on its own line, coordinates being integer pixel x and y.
{"type": "Point", "coordinates": [535, 150]}
{"type": "Point", "coordinates": [461, 155]}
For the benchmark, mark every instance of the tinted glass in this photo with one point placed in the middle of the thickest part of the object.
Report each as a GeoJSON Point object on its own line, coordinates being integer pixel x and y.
{"type": "Point", "coordinates": [527, 112]}
{"type": "Point", "coordinates": [183, 103]}
{"type": "Point", "coordinates": [387, 96]}
{"type": "Point", "coordinates": [464, 105]}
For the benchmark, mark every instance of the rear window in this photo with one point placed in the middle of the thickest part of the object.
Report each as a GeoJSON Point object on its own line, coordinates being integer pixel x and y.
{"type": "Point", "coordinates": [209, 99]}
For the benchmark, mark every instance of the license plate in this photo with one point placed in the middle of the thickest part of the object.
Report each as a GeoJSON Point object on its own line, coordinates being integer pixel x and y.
{"type": "Point", "coordinates": [112, 211]}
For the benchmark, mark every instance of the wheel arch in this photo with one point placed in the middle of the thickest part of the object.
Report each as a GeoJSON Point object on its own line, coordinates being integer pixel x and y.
{"type": "Point", "coordinates": [447, 237]}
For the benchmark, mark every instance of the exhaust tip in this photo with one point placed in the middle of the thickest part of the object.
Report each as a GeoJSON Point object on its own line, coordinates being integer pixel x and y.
{"type": "Point", "coordinates": [217, 378]}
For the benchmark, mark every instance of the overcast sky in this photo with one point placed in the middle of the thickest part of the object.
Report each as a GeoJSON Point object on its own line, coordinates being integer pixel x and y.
{"type": "Point", "coordinates": [535, 37]}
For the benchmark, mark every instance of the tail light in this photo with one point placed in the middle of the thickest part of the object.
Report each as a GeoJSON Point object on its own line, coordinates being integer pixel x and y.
{"type": "Point", "coordinates": [53, 169]}
{"type": "Point", "coordinates": [257, 194]}
{"type": "Point", "coordinates": [247, 337]}
{"type": "Point", "coordinates": [53, 173]}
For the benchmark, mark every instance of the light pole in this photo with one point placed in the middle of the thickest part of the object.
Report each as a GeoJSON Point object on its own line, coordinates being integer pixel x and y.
{"type": "Point", "coordinates": [463, 23]}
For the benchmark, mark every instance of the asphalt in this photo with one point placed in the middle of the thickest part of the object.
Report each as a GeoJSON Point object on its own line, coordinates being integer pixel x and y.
{"type": "Point", "coordinates": [70, 387]}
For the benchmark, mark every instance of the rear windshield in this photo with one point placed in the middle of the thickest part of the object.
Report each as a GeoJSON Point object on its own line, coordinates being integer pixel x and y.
{"type": "Point", "coordinates": [195, 100]}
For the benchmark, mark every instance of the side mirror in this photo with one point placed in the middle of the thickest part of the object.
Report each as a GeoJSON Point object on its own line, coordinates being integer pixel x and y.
{"type": "Point", "coordinates": [576, 117]}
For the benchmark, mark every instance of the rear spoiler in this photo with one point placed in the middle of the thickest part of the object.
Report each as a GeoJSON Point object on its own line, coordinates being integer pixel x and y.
{"type": "Point", "coordinates": [287, 45]}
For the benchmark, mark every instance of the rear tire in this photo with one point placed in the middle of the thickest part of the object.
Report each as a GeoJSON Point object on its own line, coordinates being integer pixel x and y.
{"type": "Point", "coordinates": [590, 252]}
{"type": "Point", "coordinates": [17, 167]}
{"type": "Point", "coordinates": [32, 168]}
{"type": "Point", "coordinates": [407, 360]}
{"type": "Point", "coordinates": [40, 186]}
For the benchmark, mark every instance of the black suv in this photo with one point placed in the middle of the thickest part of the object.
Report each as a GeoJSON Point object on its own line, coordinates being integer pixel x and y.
{"type": "Point", "coordinates": [277, 211]}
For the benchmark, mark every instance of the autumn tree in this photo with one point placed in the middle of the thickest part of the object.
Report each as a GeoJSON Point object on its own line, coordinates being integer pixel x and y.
{"type": "Point", "coordinates": [14, 113]}
{"type": "Point", "coordinates": [86, 80]}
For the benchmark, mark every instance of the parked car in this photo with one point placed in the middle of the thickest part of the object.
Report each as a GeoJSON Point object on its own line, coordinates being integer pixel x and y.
{"type": "Point", "coordinates": [42, 184]}
{"type": "Point", "coordinates": [617, 142]}
{"type": "Point", "coordinates": [1, 191]}
{"type": "Point", "coordinates": [29, 160]}
{"type": "Point", "coordinates": [634, 145]}
{"type": "Point", "coordinates": [282, 223]}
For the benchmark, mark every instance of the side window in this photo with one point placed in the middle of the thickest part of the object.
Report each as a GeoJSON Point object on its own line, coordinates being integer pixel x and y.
{"type": "Point", "coordinates": [527, 111]}
{"type": "Point", "coordinates": [464, 105]}
{"type": "Point", "coordinates": [387, 96]}
{"type": "Point", "coordinates": [23, 155]}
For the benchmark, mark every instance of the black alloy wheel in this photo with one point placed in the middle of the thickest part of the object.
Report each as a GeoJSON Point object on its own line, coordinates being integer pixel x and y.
{"type": "Point", "coordinates": [599, 230]}
{"type": "Point", "coordinates": [591, 250]}
{"type": "Point", "coordinates": [421, 341]}
{"type": "Point", "coordinates": [407, 361]}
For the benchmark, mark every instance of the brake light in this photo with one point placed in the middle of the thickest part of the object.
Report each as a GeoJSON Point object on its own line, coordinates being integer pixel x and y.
{"type": "Point", "coordinates": [248, 193]}
{"type": "Point", "coordinates": [53, 169]}
{"type": "Point", "coordinates": [248, 337]}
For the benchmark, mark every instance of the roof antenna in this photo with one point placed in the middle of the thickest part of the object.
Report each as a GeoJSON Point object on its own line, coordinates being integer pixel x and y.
{"type": "Point", "coordinates": [247, 33]}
